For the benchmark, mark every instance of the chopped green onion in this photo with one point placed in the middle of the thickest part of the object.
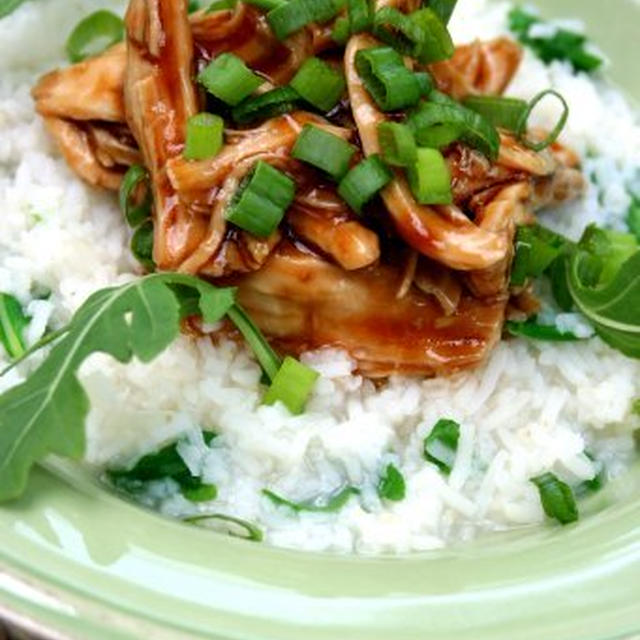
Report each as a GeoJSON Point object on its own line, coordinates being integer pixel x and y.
{"type": "Point", "coordinates": [421, 34]}
{"type": "Point", "coordinates": [198, 491]}
{"type": "Point", "coordinates": [9, 6]}
{"type": "Point", "coordinates": [323, 150]}
{"type": "Point", "coordinates": [443, 9]}
{"type": "Point", "coordinates": [229, 79]}
{"type": "Point", "coordinates": [430, 178]}
{"type": "Point", "coordinates": [293, 15]}
{"type": "Point", "coordinates": [260, 204]}
{"type": "Point", "coordinates": [136, 207]}
{"type": "Point", "coordinates": [443, 120]}
{"type": "Point", "coordinates": [441, 445]}
{"type": "Point", "coordinates": [322, 504]}
{"type": "Point", "coordinates": [13, 321]}
{"type": "Point", "coordinates": [142, 245]}
{"type": "Point", "coordinates": [397, 144]}
{"type": "Point", "coordinates": [266, 356]}
{"type": "Point", "coordinates": [292, 386]}
{"type": "Point", "coordinates": [425, 81]}
{"type": "Point", "coordinates": [341, 31]}
{"type": "Point", "coordinates": [499, 111]}
{"type": "Point", "coordinates": [205, 133]}
{"type": "Point", "coordinates": [270, 104]}
{"type": "Point", "coordinates": [221, 5]}
{"type": "Point", "coordinates": [387, 79]}
{"type": "Point", "coordinates": [544, 332]}
{"type": "Point", "coordinates": [553, 136]}
{"type": "Point", "coordinates": [392, 485]}
{"type": "Point", "coordinates": [319, 84]}
{"type": "Point", "coordinates": [360, 15]}
{"type": "Point", "coordinates": [363, 182]}
{"type": "Point", "coordinates": [95, 33]}
{"type": "Point", "coordinates": [235, 527]}
{"type": "Point", "coordinates": [557, 498]}
{"type": "Point", "coordinates": [266, 5]}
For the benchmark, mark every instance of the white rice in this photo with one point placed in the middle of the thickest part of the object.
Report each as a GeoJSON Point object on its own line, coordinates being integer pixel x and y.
{"type": "Point", "coordinates": [533, 407]}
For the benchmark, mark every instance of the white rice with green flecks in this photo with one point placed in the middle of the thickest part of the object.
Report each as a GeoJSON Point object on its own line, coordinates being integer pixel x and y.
{"type": "Point", "coordinates": [533, 407]}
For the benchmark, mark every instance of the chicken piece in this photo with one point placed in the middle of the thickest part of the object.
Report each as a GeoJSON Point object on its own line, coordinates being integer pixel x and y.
{"type": "Point", "coordinates": [444, 233]}
{"type": "Point", "coordinates": [159, 98]}
{"type": "Point", "coordinates": [304, 302]}
{"type": "Point", "coordinates": [508, 206]}
{"type": "Point", "coordinates": [276, 136]}
{"type": "Point", "coordinates": [94, 153]}
{"type": "Point", "coordinates": [478, 68]}
{"type": "Point", "coordinates": [442, 283]}
{"type": "Point", "coordinates": [346, 241]}
{"type": "Point", "coordinates": [89, 90]}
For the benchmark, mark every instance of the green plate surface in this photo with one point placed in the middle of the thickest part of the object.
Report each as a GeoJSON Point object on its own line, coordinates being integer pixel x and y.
{"type": "Point", "coordinates": [81, 563]}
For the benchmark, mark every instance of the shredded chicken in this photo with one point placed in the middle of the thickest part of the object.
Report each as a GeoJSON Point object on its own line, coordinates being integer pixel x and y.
{"type": "Point", "coordinates": [405, 288]}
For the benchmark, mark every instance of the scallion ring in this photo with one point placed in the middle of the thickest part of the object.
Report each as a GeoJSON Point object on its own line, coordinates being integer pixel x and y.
{"type": "Point", "coordinates": [135, 206]}
{"type": "Point", "coordinates": [93, 34]}
{"type": "Point", "coordinates": [397, 144]}
{"type": "Point", "coordinates": [235, 527]}
{"type": "Point", "coordinates": [260, 204]}
{"type": "Point", "coordinates": [557, 130]}
{"type": "Point", "coordinates": [228, 79]}
{"type": "Point", "coordinates": [499, 111]}
{"type": "Point", "coordinates": [363, 182]}
{"type": "Point", "coordinates": [323, 150]}
{"type": "Point", "coordinates": [360, 15]}
{"type": "Point", "coordinates": [319, 84]}
{"type": "Point", "coordinates": [142, 245]}
{"type": "Point", "coordinates": [386, 78]}
{"type": "Point", "coordinates": [270, 104]}
{"type": "Point", "coordinates": [205, 132]}
{"type": "Point", "coordinates": [292, 386]}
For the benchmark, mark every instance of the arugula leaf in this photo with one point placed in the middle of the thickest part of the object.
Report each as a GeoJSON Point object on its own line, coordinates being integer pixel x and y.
{"type": "Point", "coordinates": [235, 527]}
{"type": "Point", "coordinates": [441, 445]}
{"type": "Point", "coordinates": [633, 217]}
{"type": "Point", "coordinates": [165, 463]}
{"type": "Point", "coordinates": [608, 296]}
{"type": "Point", "coordinates": [9, 6]}
{"type": "Point", "coordinates": [531, 329]}
{"type": "Point", "coordinates": [322, 504]}
{"type": "Point", "coordinates": [562, 45]}
{"type": "Point", "coordinates": [46, 413]}
{"type": "Point", "coordinates": [13, 321]}
{"type": "Point", "coordinates": [537, 248]}
{"type": "Point", "coordinates": [392, 485]}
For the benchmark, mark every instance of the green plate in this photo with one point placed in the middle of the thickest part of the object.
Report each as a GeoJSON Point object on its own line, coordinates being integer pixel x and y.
{"type": "Point", "coordinates": [77, 562]}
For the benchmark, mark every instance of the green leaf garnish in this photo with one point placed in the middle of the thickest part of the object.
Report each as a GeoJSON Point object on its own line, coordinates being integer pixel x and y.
{"type": "Point", "coordinates": [562, 45]}
{"type": "Point", "coordinates": [535, 331]}
{"type": "Point", "coordinates": [46, 414]}
{"type": "Point", "coordinates": [392, 485]}
{"type": "Point", "coordinates": [165, 463]}
{"type": "Point", "coordinates": [441, 445]}
{"type": "Point", "coordinates": [633, 217]}
{"type": "Point", "coordinates": [322, 504]}
{"type": "Point", "coordinates": [9, 6]}
{"type": "Point", "coordinates": [603, 276]}
{"type": "Point", "coordinates": [13, 321]}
